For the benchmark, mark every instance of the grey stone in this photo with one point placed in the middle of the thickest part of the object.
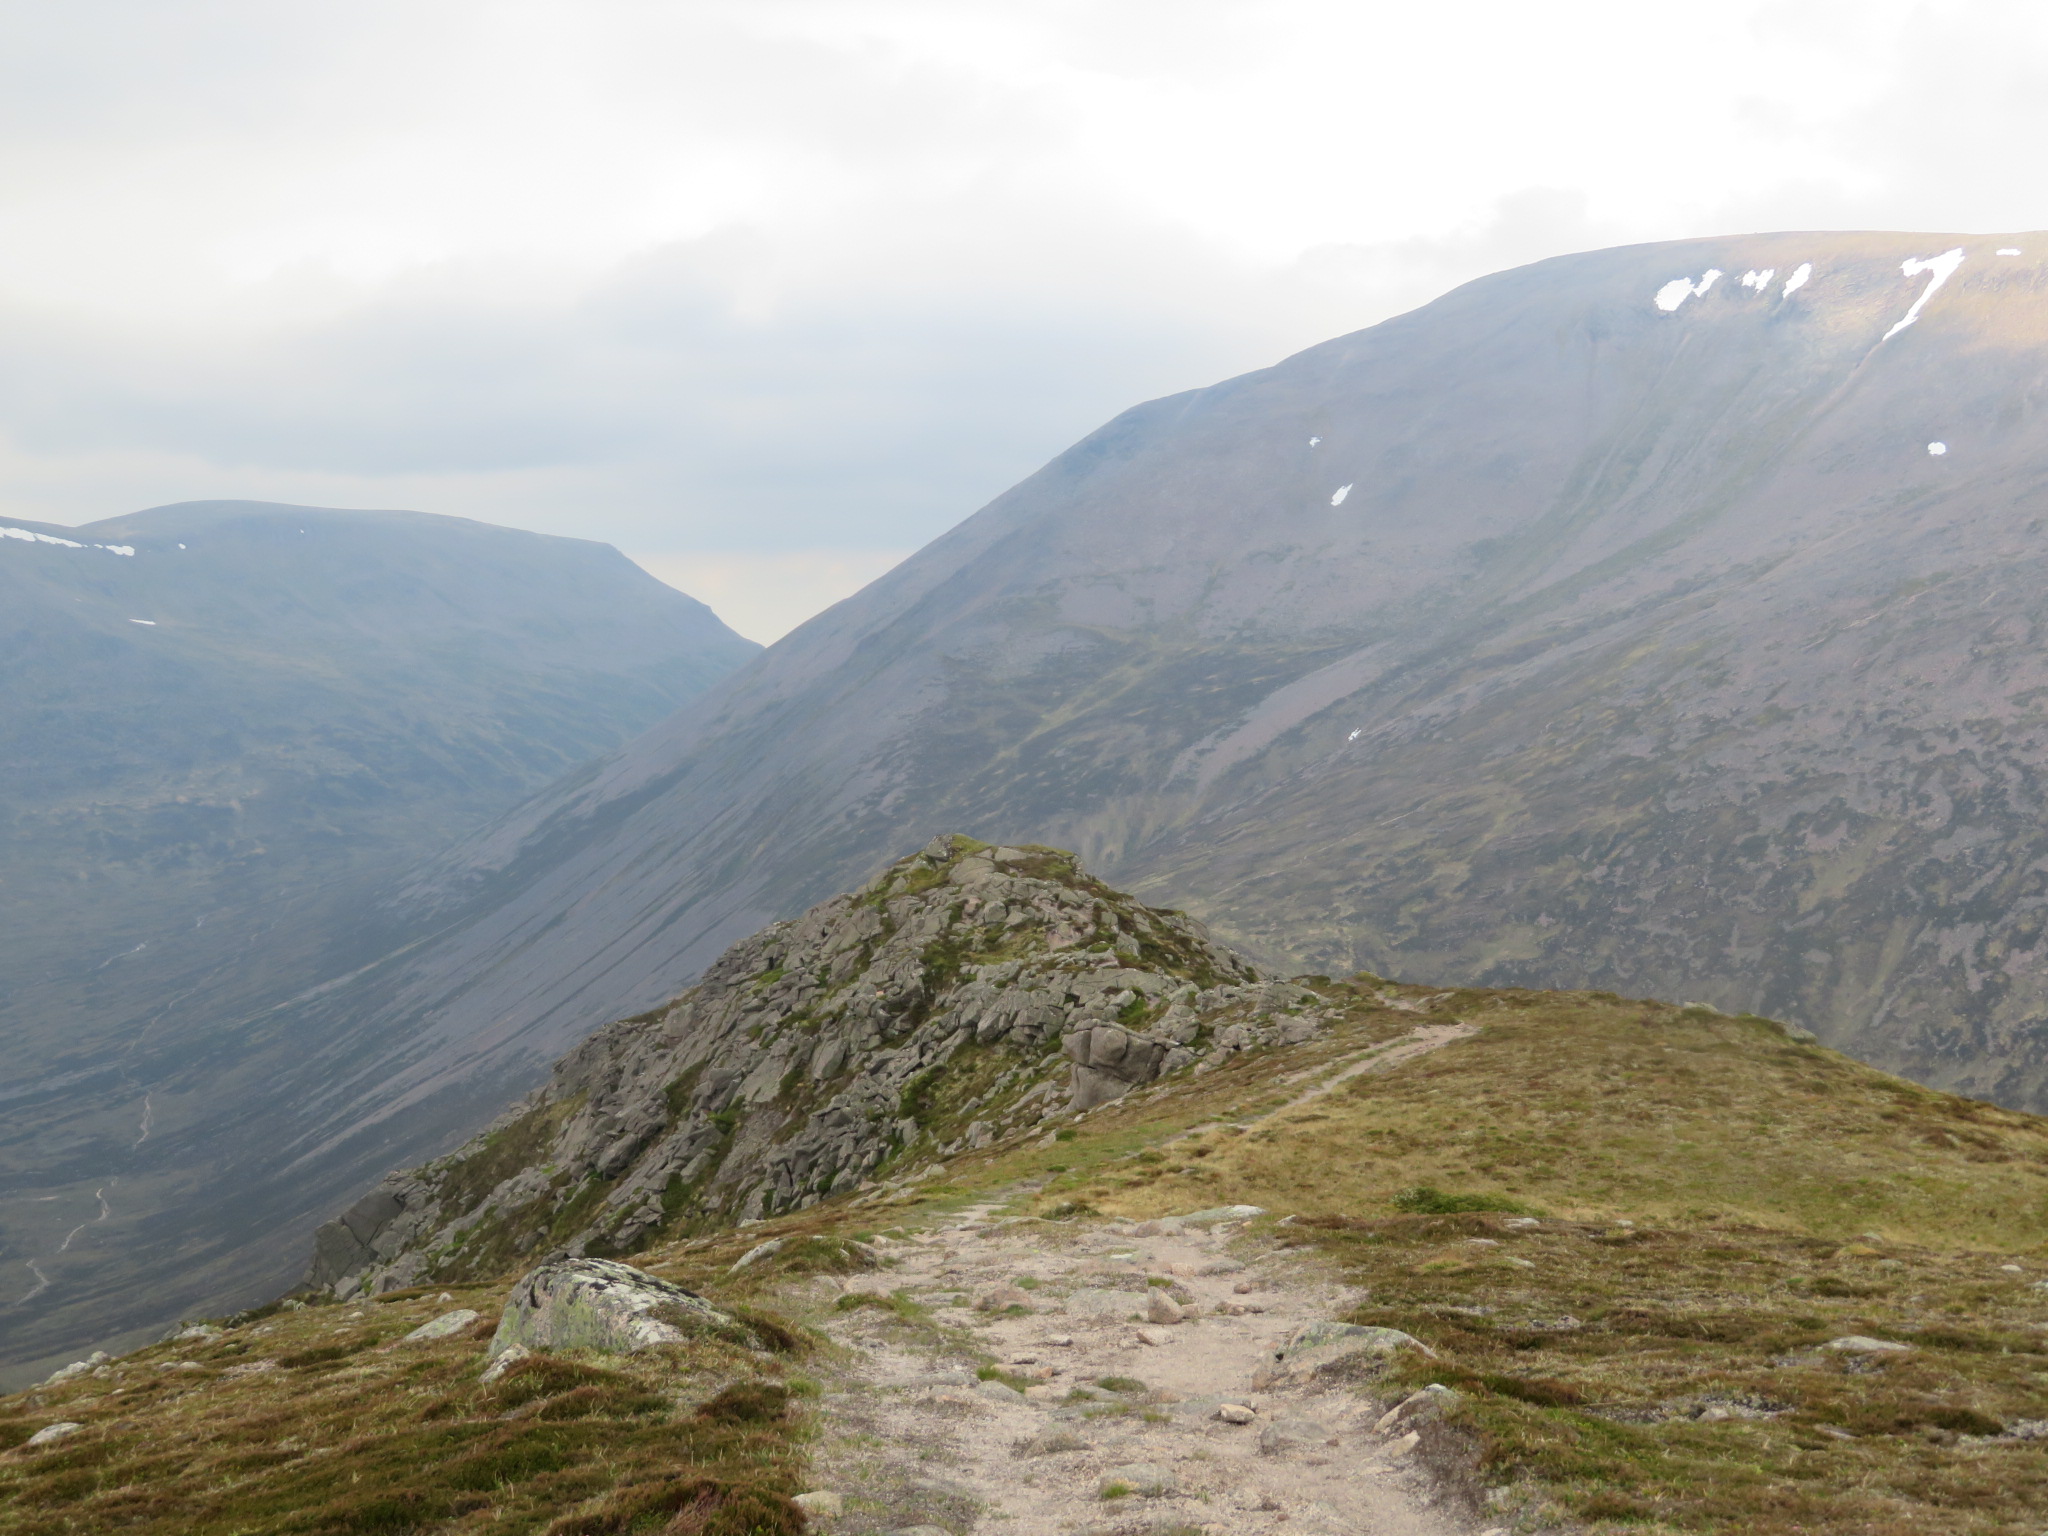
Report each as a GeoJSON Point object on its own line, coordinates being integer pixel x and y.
{"type": "Point", "coordinates": [506, 1358]}
{"type": "Point", "coordinates": [1283, 1435]}
{"type": "Point", "coordinates": [599, 1304]}
{"type": "Point", "coordinates": [1223, 1213]}
{"type": "Point", "coordinates": [447, 1324]}
{"type": "Point", "coordinates": [1861, 1344]}
{"type": "Point", "coordinates": [998, 1391]}
{"type": "Point", "coordinates": [821, 1503]}
{"type": "Point", "coordinates": [1236, 1413]}
{"type": "Point", "coordinates": [1315, 1349]}
{"type": "Point", "coordinates": [758, 1253]}
{"type": "Point", "coordinates": [1162, 1308]}
{"type": "Point", "coordinates": [51, 1432]}
{"type": "Point", "coordinates": [1417, 1408]}
{"type": "Point", "coordinates": [1102, 1303]}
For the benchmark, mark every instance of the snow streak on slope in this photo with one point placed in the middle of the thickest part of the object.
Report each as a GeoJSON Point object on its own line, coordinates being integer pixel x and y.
{"type": "Point", "coordinates": [1939, 269]}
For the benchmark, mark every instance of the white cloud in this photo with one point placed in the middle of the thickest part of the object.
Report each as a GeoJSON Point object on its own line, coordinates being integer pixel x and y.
{"type": "Point", "coordinates": [734, 276]}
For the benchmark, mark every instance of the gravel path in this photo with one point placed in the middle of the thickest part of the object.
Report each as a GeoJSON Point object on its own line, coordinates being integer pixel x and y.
{"type": "Point", "coordinates": [913, 1438]}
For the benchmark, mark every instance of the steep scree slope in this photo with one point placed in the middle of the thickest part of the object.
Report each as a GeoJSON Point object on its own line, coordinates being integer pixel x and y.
{"type": "Point", "coordinates": [221, 725]}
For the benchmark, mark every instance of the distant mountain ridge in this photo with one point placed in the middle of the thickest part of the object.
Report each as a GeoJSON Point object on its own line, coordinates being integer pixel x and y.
{"type": "Point", "coordinates": [222, 726]}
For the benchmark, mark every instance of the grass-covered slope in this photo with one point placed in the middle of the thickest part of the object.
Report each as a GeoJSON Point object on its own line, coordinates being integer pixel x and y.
{"type": "Point", "coordinates": [1629, 1232]}
{"type": "Point", "coordinates": [325, 1422]}
{"type": "Point", "coordinates": [1714, 1203]}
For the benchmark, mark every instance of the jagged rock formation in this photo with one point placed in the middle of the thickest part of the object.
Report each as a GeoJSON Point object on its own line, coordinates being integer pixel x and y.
{"type": "Point", "coordinates": [965, 994]}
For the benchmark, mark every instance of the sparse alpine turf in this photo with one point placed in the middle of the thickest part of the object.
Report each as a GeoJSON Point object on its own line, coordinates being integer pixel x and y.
{"type": "Point", "coordinates": [1685, 1273]}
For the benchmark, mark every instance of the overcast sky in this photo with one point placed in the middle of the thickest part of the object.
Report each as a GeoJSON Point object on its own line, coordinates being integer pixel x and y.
{"type": "Point", "coordinates": [769, 292]}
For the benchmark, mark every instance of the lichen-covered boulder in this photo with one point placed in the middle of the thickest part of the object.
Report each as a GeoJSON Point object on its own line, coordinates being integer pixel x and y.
{"type": "Point", "coordinates": [604, 1305]}
{"type": "Point", "coordinates": [1317, 1349]}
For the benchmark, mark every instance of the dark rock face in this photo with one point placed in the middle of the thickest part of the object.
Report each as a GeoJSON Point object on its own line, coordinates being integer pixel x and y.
{"type": "Point", "coordinates": [1545, 635]}
{"type": "Point", "coordinates": [223, 727]}
{"type": "Point", "coordinates": [967, 993]}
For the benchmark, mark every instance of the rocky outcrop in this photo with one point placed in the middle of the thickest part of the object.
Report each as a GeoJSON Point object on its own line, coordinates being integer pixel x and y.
{"type": "Point", "coordinates": [614, 1308]}
{"type": "Point", "coordinates": [966, 994]}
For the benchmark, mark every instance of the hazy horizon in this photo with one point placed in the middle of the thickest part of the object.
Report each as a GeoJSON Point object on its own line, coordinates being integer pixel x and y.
{"type": "Point", "coordinates": [768, 295]}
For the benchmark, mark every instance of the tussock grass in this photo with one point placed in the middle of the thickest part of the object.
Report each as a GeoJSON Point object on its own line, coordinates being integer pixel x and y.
{"type": "Point", "coordinates": [1678, 1376]}
{"type": "Point", "coordinates": [1591, 1105]}
{"type": "Point", "coordinates": [318, 1422]}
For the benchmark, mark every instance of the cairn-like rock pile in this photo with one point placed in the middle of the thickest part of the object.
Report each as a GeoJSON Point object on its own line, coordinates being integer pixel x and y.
{"type": "Point", "coordinates": [966, 994]}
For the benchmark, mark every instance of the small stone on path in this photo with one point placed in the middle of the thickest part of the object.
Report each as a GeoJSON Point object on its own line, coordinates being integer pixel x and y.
{"type": "Point", "coordinates": [1162, 1308]}
{"type": "Point", "coordinates": [1236, 1413]}
{"type": "Point", "coordinates": [823, 1503]}
{"type": "Point", "coordinates": [1293, 1434]}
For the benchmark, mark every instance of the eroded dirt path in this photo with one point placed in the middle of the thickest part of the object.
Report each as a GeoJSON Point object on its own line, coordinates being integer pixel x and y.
{"type": "Point", "coordinates": [913, 1439]}
{"type": "Point", "coordinates": [1423, 1039]}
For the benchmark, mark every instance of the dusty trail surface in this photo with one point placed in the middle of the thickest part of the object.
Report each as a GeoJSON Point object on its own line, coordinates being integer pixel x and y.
{"type": "Point", "coordinates": [913, 1439]}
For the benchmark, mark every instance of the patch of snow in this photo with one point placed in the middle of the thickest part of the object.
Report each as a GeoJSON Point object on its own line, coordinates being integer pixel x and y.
{"type": "Point", "coordinates": [1356, 734]}
{"type": "Point", "coordinates": [1311, 442]}
{"type": "Point", "coordinates": [1798, 278]}
{"type": "Point", "coordinates": [28, 536]}
{"type": "Point", "coordinates": [1937, 449]}
{"type": "Point", "coordinates": [1337, 497]}
{"type": "Point", "coordinates": [2008, 250]}
{"type": "Point", "coordinates": [1759, 280]}
{"type": "Point", "coordinates": [150, 622]}
{"type": "Point", "coordinates": [1679, 289]}
{"type": "Point", "coordinates": [1939, 270]}
{"type": "Point", "coordinates": [38, 538]}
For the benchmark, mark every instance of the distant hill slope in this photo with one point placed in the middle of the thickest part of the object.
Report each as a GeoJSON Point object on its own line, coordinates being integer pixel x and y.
{"type": "Point", "coordinates": [221, 724]}
{"type": "Point", "coordinates": [1583, 627]}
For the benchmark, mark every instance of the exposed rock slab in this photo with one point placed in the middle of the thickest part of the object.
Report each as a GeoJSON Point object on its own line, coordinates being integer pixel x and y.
{"type": "Point", "coordinates": [598, 1304]}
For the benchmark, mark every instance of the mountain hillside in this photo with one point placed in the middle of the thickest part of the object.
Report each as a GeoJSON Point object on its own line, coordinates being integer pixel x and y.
{"type": "Point", "coordinates": [222, 726]}
{"type": "Point", "coordinates": [1363, 1256]}
{"type": "Point", "coordinates": [1583, 627]}
{"type": "Point", "coordinates": [1586, 627]}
